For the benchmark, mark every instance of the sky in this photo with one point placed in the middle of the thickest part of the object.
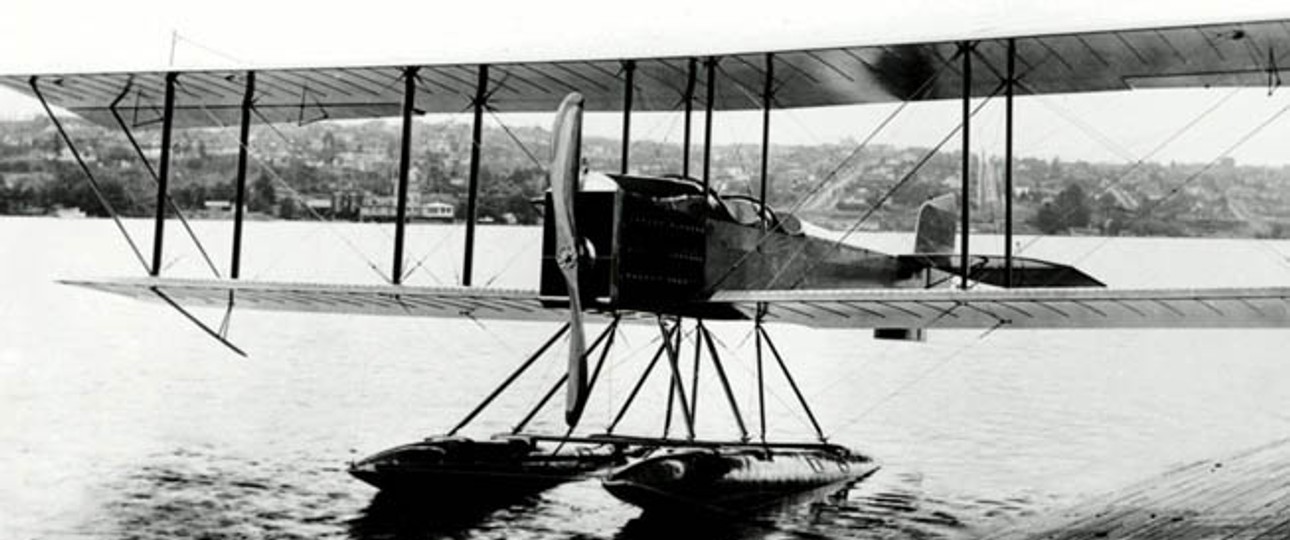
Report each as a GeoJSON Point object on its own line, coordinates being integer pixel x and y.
{"type": "Point", "coordinates": [67, 36]}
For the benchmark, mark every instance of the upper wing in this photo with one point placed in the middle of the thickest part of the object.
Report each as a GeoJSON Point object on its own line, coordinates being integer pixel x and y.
{"type": "Point", "coordinates": [325, 298]}
{"type": "Point", "coordinates": [1020, 308]}
{"type": "Point", "coordinates": [1233, 54]}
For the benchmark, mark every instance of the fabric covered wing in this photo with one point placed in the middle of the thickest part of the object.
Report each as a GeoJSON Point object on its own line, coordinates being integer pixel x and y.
{"type": "Point", "coordinates": [325, 298]}
{"type": "Point", "coordinates": [1020, 308]}
{"type": "Point", "coordinates": [1231, 54]}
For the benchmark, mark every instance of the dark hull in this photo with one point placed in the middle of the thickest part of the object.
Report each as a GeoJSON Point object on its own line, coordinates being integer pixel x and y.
{"type": "Point", "coordinates": [463, 470]}
{"type": "Point", "coordinates": [734, 481]}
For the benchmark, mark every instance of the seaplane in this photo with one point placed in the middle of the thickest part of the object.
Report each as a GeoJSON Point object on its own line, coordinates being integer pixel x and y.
{"type": "Point", "coordinates": [623, 248]}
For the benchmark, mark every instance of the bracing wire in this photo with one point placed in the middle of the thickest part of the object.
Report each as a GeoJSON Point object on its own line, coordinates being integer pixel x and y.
{"type": "Point", "coordinates": [1157, 203]}
{"type": "Point", "coordinates": [913, 172]}
{"type": "Point", "coordinates": [1139, 162]}
{"type": "Point", "coordinates": [923, 88]}
{"type": "Point", "coordinates": [295, 194]}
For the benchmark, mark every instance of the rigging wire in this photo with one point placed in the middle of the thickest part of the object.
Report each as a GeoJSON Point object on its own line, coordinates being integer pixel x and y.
{"type": "Point", "coordinates": [923, 88]}
{"type": "Point", "coordinates": [492, 112]}
{"type": "Point", "coordinates": [292, 191]}
{"type": "Point", "coordinates": [1106, 187]}
{"type": "Point", "coordinates": [913, 172]}
{"type": "Point", "coordinates": [1155, 204]}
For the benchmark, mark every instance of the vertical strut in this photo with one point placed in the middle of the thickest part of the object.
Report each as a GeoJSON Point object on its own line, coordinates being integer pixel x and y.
{"type": "Point", "coordinates": [476, 141]}
{"type": "Point", "coordinates": [766, 97]}
{"type": "Point", "coordinates": [964, 202]}
{"type": "Point", "coordinates": [711, 65]}
{"type": "Point", "coordinates": [405, 161]}
{"type": "Point", "coordinates": [629, 86]}
{"type": "Point", "coordinates": [152, 173]}
{"type": "Point", "coordinates": [163, 174]}
{"type": "Point", "coordinates": [692, 68]}
{"type": "Point", "coordinates": [239, 198]}
{"type": "Point", "coordinates": [1007, 159]}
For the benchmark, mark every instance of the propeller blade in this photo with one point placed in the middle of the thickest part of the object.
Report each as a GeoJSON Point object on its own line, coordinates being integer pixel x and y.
{"type": "Point", "coordinates": [566, 165]}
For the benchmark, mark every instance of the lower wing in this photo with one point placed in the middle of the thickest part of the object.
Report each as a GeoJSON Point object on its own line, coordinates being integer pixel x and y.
{"type": "Point", "coordinates": [506, 304]}
{"type": "Point", "coordinates": [840, 308]}
{"type": "Point", "coordinates": [1020, 308]}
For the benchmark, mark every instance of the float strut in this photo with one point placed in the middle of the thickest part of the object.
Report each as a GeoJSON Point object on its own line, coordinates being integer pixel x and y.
{"type": "Point", "coordinates": [761, 377]}
{"type": "Point", "coordinates": [793, 384]}
{"type": "Point", "coordinates": [694, 381]}
{"type": "Point", "coordinates": [511, 379]}
{"type": "Point", "coordinates": [706, 336]}
{"type": "Point", "coordinates": [556, 387]}
{"type": "Point", "coordinates": [640, 383]}
{"type": "Point", "coordinates": [672, 357]}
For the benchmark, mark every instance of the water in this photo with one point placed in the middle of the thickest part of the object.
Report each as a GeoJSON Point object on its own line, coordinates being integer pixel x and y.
{"type": "Point", "coordinates": [118, 419]}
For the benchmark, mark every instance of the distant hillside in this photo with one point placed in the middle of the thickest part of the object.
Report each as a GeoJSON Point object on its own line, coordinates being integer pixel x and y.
{"type": "Point", "coordinates": [295, 169]}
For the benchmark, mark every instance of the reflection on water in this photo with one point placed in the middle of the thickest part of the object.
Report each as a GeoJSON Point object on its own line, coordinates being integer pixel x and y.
{"type": "Point", "coordinates": [394, 517]}
{"type": "Point", "coordinates": [119, 420]}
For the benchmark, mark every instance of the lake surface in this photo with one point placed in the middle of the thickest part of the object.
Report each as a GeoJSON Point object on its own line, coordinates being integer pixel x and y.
{"type": "Point", "coordinates": [118, 419]}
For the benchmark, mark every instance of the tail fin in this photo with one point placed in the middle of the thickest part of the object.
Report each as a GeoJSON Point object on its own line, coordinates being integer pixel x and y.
{"type": "Point", "coordinates": [935, 230]}
{"type": "Point", "coordinates": [933, 234]}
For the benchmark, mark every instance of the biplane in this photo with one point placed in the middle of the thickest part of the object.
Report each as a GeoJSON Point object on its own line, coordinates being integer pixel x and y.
{"type": "Point", "coordinates": [626, 248]}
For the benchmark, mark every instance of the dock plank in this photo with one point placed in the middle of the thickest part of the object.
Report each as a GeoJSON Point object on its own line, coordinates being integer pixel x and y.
{"type": "Point", "coordinates": [1245, 496]}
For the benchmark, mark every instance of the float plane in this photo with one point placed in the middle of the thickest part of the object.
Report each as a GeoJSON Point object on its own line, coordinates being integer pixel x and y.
{"type": "Point", "coordinates": [622, 247]}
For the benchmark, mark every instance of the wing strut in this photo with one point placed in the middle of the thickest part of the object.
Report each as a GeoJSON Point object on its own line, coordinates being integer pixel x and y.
{"type": "Point", "coordinates": [89, 176]}
{"type": "Point", "coordinates": [152, 173]}
{"type": "Point", "coordinates": [966, 174]}
{"type": "Point", "coordinates": [163, 174]}
{"type": "Point", "coordinates": [476, 142]}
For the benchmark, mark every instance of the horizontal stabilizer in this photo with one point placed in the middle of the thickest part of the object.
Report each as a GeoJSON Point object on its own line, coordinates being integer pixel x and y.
{"type": "Point", "coordinates": [992, 270]}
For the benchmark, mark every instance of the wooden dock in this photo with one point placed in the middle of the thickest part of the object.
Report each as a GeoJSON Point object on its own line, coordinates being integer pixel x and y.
{"type": "Point", "coordinates": [1244, 496]}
